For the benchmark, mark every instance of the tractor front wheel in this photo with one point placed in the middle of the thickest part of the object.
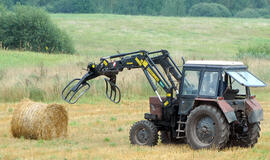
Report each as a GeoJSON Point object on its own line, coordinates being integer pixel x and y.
{"type": "Point", "coordinates": [144, 133]}
{"type": "Point", "coordinates": [206, 128]}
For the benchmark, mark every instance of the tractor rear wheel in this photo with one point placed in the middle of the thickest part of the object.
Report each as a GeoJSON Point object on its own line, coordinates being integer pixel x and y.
{"type": "Point", "coordinates": [251, 139]}
{"type": "Point", "coordinates": [144, 133]}
{"type": "Point", "coordinates": [206, 128]}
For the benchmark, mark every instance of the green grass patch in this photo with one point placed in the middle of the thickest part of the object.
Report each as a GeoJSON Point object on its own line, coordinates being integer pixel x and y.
{"type": "Point", "coordinates": [73, 123]}
{"type": "Point", "coordinates": [113, 119]}
{"type": "Point", "coordinates": [255, 51]}
{"type": "Point", "coordinates": [120, 129]}
{"type": "Point", "coordinates": [104, 34]}
{"type": "Point", "coordinates": [14, 59]}
{"type": "Point", "coordinates": [107, 139]}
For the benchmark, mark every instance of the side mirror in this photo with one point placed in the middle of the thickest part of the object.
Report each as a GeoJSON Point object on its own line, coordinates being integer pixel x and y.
{"type": "Point", "coordinates": [184, 61]}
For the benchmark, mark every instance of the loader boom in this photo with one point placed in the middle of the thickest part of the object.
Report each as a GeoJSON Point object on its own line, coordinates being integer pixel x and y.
{"type": "Point", "coordinates": [110, 66]}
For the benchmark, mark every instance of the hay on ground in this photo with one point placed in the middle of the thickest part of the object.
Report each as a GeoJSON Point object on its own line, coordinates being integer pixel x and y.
{"type": "Point", "coordinates": [34, 120]}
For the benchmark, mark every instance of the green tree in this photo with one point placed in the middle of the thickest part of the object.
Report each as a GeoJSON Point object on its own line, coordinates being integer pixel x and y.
{"type": "Point", "coordinates": [173, 8]}
{"type": "Point", "coordinates": [29, 28]}
{"type": "Point", "coordinates": [209, 10]}
{"type": "Point", "coordinates": [248, 13]}
{"type": "Point", "coordinates": [257, 3]}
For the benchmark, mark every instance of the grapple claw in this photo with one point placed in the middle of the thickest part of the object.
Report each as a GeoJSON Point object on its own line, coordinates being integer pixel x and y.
{"type": "Point", "coordinates": [112, 91]}
{"type": "Point", "coordinates": [74, 90]}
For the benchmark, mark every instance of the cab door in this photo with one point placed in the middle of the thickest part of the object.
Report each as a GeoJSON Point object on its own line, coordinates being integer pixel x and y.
{"type": "Point", "coordinates": [209, 84]}
{"type": "Point", "coordinates": [198, 83]}
{"type": "Point", "coordinates": [189, 90]}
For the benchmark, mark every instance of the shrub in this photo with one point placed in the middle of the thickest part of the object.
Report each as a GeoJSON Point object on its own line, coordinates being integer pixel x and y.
{"type": "Point", "coordinates": [255, 51]}
{"type": "Point", "coordinates": [2, 9]}
{"type": "Point", "coordinates": [36, 94]}
{"type": "Point", "coordinates": [30, 28]}
{"type": "Point", "coordinates": [264, 12]}
{"type": "Point", "coordinates": [247, 13]}
{"type": "Point", "coordinates": [209, 10]}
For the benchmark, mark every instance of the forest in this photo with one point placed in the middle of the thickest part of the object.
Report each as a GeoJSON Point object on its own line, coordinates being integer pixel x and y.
{"type": "Point", "coordinates": [208, 8]}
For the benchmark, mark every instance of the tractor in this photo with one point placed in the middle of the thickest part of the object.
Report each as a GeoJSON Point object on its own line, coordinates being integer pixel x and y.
{"type": "Point", "coordinates": [207, 104]}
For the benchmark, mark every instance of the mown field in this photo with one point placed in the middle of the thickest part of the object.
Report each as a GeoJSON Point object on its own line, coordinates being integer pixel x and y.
{"type": "Point", "coordinates": [99, 129]}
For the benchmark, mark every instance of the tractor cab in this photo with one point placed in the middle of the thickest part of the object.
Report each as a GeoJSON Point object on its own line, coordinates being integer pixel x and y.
{"type": "Point", "coordinates": [210, 80]}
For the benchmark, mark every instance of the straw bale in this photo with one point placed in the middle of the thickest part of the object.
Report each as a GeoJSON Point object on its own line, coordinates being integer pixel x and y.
{"type": "Point", "coordinates": [34, 120]}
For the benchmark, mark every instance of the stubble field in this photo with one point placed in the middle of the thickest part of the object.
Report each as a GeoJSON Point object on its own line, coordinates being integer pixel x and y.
{"type": "Point", "coordinates": [101, 131]}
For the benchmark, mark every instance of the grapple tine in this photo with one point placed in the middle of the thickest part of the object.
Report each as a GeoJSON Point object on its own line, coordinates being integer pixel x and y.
{"type": "Point", "coordinates": [114, 96]}
{"type": "Point", "coordinates": [74, 90]}
{"type": "Point", "coordinates": [68, 94]}
{"type": "Point", "coordinates": [82, 93]}
{"type": "Point", "coordinates": [112, 91]}
{"type": "Point", "coordinates": [106, 87]}
{"type": "Point", "coordinates": [119, 94]}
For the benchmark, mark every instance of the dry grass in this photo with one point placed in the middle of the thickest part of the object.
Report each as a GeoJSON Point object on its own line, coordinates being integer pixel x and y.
{"type": "Point", "coordinates": [45, 83]}
{"type": "Point", "coordinates": [32, 120]}
{"type": "Point", "coordinates": [100, 131]}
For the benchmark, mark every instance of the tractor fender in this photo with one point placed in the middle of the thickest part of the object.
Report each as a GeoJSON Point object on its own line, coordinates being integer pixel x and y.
{"type": "Point", "coordinates": [226, 109]}
{"type": "Point", "coordinates": [254, 110]}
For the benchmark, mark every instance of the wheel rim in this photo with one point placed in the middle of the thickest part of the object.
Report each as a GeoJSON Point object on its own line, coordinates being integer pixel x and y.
{"type": "Point", "coordinates": [205, 130]}
{"type": "Point", "coordinates": [141, 136]}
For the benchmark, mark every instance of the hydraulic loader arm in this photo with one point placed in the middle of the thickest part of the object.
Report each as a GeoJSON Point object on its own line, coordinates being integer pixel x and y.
{"type": "Point", "coordinates": [110, 67]}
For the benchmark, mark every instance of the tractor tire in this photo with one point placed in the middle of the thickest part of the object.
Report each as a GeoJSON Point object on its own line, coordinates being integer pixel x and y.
{"type": "Point", "coordinates": [165, 138]}
{"type": "Point", "coordinates": [207, 128]}
{"type": "Point", "coordinates": [251, 139]}
{"type": "Point", "coordinates": [143, 133]}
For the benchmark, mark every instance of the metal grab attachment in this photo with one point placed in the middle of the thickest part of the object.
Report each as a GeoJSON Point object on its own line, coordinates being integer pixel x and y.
{"type": "Point", "coordinates": [112, 91]}
{"type": "Point", "coordinates": [71, 93]}
{"type": "Point", "coordinates": [110, 67]}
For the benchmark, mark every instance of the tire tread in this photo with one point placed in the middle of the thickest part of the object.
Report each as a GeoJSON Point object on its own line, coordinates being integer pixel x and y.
{"type": "Point", "coordinates": [148, 124]}
{"type": "Point", "coordinates": [224, 126]}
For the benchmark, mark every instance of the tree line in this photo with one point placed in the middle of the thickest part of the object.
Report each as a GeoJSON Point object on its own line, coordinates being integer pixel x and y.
{"type": "Point", "coordinates": [151, 7]}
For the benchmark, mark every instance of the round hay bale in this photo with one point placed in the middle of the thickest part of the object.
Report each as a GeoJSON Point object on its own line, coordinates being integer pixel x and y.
{"type": "Point", "coordinates": [34, 120]}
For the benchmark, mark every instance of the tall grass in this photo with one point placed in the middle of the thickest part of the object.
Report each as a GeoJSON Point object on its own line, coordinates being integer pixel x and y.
{"type": "Point", "coordinates": [44, 82]}
{"type": "Point", "coordinates": [255, 51]}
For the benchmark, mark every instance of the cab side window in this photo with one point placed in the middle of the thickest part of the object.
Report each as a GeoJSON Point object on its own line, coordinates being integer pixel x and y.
{"type": "Point", "coordinates": [191, 82]}
{"type": "Point", "coordinates": [209, 84]}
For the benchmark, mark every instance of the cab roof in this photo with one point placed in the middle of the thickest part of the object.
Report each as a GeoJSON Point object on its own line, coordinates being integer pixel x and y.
{"type": "Point", "coordinates": [216, 64]}
{"type": "Point", "coordinates": [221, 63]}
